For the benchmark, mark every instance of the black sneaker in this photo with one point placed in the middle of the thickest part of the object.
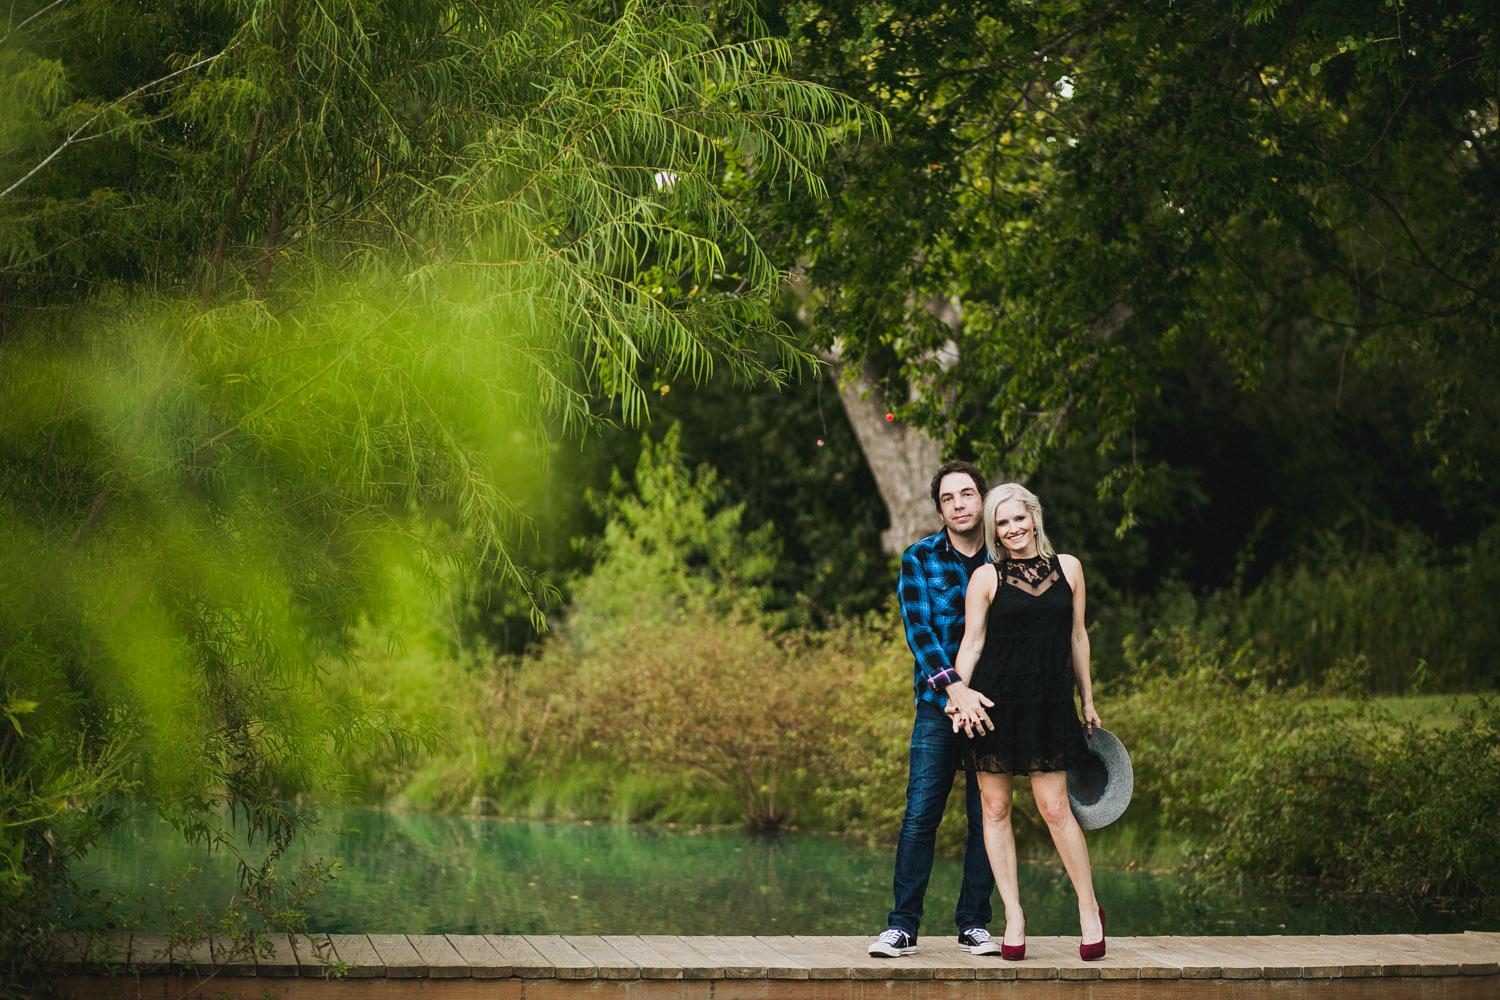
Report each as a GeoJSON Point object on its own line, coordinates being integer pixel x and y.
{"type": "Point", "coordinates": [977, 941]}
{"type": "Point", "coordinates": [893, 943]}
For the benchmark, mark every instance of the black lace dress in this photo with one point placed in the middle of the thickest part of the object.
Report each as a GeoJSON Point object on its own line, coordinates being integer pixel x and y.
{"type": "Point", "coordinates": [1027, 670]}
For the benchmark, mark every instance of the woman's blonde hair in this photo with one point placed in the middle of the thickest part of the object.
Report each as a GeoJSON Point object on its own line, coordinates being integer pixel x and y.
{"type": "Point", "coordinates": [999, 495]}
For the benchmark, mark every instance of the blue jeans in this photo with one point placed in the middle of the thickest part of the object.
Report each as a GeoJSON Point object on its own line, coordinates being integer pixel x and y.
{"type": "Point", "coordinates": [933, 749]}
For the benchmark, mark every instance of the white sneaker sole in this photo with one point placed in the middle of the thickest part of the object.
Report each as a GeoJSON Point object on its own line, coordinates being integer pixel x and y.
{"type": "Point", "coordinates": [886, 951]}
{"type": "Point", "coordinates": [988, 948]}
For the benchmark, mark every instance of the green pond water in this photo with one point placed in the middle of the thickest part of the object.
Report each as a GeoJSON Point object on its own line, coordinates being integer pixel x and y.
{"type": "Point", "coordinates": [442, 874]}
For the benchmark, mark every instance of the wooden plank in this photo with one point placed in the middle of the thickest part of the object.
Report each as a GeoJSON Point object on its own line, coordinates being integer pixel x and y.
{"type": "Point", "coordinates": [1233, 962]}
{"type": "Point", "coordinates": [442, 960]}
{"type": "Point", "coordinates": [1294, 956]}
{"type": "Point", "coordinates": [361, 960]}
{"type": "Point", "coordinates": [233, 956]}
{"type": "Point", "coordinates": [1453, 965]}
{"type": "Point", "coordinates": [1404, 947]}
{"type": "Point", "coordinates": [480, 956]}
{"type": "Point", "coordinates": [1043, 955]}
{"type": "Point", "coordinates": [68, 952]}
{"type": "Point", "coordinates": [610, 963]}
{"type": "Point", "coordinates": [1473, 958]}
{"type": "Point", "coordinates": [565, 959]}
{"type": "Point", "coordinates": [1380, 955]}
{"type": "Point", "coordinates": [814, 960]}
{"type": "Point", "coordinates": [107, 953]}
{"type": "Point", "coordinates": [163, 987]}
{"type": "Point", "coordinates": [1355, 959]}
{"type": "Point", "coordinates": [835, 958]}
{"type": "Point", "coordinates": [1128, 959]}
{"type": "Point", "coordinates": [1438, 957]}
{"type": "Point", "coordinates": [278, 959]}
{"type": "Point", "coordinates": [956, 965]}
{"type": "Point", "coordinates": [852, 956]}
{"type": "Point", "coordinates": [400, 959]}
{"type": "Point", "coordinates": [821, 959]}
{"type": "Point", "coordinates": [734, 962]}
{"type": "Point", "coordinates": [772, 962]}
{"type": "Point", "coordinates": [315, 955]}
{"type": "Point", "coordinates": [685, 951]}
{"type": "Point", "coordinates": [524, 960]}
{"type": "Point", "coordinates": [1253, 958]}
{"type": "Point", "coordinates": [651, 962]}
{"type": "Point", "coordinates": [1192, 962]}
{"type": "Point", "coordinates": [150, 953]}
{"type": "Point", "coordinates": [1319, 959]}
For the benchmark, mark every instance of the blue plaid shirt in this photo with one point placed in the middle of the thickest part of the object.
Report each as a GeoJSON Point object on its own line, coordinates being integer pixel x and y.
{"type": "Point", "coordinates": [933, 581]}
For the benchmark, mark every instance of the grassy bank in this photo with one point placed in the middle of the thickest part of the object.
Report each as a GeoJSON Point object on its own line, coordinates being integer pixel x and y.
{"type": "Point", "coordinates": [671, 694]}
{"type": "Point", "coordinates": [687, 724]}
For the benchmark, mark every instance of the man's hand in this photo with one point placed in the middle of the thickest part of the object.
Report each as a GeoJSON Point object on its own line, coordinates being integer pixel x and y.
{"type": "Point", "coordinates": [967, 708]}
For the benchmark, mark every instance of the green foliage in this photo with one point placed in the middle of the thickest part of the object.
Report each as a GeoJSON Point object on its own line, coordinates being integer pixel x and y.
{"type": "Point", "coordinates": [1409, 618]}
{"type": "Point", "coordinates": [790, 457]}
{"type": "Point", "coordinates": [750, 710]}
{"type": "Point", "coordinates": [671, 550]}
{"type": "Point", "coordinates": [1349, 797]}
{"type": "Point", "coordinates": [668, 694]}
{"type": "Point", "coordinates": [283, 329]}
{"type": "Point", "coordinates": [1279, 783]}
{"type": "Point", "coordinates": [1255, 247]}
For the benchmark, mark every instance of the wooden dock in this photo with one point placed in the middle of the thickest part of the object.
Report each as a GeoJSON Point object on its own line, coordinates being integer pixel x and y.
{"type": "Point", "coordinates": [662, 967]}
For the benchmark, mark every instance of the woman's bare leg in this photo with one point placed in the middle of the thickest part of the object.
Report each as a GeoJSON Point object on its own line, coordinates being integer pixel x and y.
{"type": "Point", "coordinates": [1000, 845]}
{"type": "Point", "coordinates": [1050, 789]}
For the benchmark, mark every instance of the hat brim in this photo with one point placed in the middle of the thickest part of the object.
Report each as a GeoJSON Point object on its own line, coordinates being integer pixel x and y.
{"type": "Point", "coordinates": [1100, 790]}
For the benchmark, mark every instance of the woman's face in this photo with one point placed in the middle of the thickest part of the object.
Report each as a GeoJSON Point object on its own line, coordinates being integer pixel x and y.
{"type": "Point", "coordinates": [1015, 529]}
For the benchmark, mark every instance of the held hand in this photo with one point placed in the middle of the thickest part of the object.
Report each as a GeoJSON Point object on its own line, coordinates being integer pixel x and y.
{"type": "Point", "coordinates": [1091, 718]}
{"type": "Point", "coordinates": [967, 708]}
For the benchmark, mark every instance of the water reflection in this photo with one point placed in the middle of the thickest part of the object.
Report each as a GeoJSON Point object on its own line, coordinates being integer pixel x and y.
{"type": "Point", "coordinates": [440, 874]}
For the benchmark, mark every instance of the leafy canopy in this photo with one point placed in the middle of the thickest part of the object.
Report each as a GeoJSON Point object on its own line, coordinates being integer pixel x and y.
{"type": "Point", "coordinates": [1128, 198]}
{"type": "Point", "coordinates": [291, 296]}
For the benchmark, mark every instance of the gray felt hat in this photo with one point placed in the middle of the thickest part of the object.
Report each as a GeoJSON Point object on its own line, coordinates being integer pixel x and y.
{"type": "Point", "coordinates": [1100, 790]}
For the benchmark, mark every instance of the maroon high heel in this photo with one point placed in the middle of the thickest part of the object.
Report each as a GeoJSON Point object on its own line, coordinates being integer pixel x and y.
{"type": "Point", "coordinates": [1014, 952]}
{"type": "Point", "coordinates": [1093, 952]}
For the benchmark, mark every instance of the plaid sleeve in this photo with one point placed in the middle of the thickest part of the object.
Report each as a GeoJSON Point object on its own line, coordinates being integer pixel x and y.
{"type": "Point", "coordinates": [940, 680]}
{"type": "Point", "coordinates": [916, 614]}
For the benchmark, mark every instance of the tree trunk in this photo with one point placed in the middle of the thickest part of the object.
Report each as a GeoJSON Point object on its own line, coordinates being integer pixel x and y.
{"type": "Point", "coordinates": [901, 457]}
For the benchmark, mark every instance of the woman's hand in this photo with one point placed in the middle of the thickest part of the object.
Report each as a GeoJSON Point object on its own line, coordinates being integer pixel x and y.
{"type": "Point", "coordinates": [964, 721]}
{"type": "Point", "coordinates": [1090, 717]}
{"type": "Point", "coordinates": [966, 707]}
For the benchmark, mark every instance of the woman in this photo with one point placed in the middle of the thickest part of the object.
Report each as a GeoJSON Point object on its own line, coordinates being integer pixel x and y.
{"type": "Point", "coordinates": [1025, 647]}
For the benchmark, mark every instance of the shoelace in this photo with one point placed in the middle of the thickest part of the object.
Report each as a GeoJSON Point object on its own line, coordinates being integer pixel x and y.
{"type": "Point", "coordinates": [979, 935]}
{"type": "Point", "coordinates": [892, 936]}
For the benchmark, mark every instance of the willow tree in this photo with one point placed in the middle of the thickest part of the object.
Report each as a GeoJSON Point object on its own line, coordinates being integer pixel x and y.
{"type": "Point", "coordinates": [290, 295]}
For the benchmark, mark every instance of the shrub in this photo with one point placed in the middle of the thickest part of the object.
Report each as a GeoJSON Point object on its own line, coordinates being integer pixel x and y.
{"type": "Point", "coordinates": [1352, 798]}
{"type": "Point", "coordinates": [1274, 780]}
{"type": "Point", "coordinates": [1410, 618]}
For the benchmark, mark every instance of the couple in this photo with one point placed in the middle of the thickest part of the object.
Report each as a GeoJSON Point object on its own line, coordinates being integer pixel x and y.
{"type": "Point", "coordinates": [995, 619]}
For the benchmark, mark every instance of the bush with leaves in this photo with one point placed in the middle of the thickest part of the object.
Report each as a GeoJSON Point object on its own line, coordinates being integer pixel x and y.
{"type": "Point", "coordinates": [1285, 781]}
{"type": "Point", "coordinates": [729, 701]}
{"type": "Point", "coordinates": [1348, 796]}
{"type": "Point", "coordinates": [276, 322]}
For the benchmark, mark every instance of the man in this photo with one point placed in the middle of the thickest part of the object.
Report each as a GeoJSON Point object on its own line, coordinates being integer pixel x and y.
{"type": "Point", "coordinates": [934, 573]}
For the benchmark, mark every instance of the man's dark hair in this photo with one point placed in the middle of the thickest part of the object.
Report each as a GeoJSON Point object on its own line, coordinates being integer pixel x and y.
{"type": "Point", "coordinates": [956, 466]}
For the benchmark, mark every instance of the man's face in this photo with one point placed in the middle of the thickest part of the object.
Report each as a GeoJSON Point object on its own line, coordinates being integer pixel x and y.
{"type": "Point", "coordinates": [960, 503]}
